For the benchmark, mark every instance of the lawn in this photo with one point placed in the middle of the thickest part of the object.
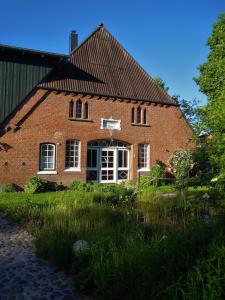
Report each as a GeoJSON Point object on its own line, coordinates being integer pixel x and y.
{"type": "Point", "coordinates": [155, 248]}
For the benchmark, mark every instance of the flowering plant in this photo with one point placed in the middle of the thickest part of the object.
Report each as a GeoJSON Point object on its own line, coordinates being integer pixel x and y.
{"type": "Point", "coordinates": [181, 162]}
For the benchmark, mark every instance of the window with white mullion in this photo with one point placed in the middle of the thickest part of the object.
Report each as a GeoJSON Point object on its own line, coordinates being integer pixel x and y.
{"type": "Point", "coordinates": [72, 154]}
{"type": "Point", "coordinates": [47, 157]}
{"type": "Point", "coordinates": [143, 156]}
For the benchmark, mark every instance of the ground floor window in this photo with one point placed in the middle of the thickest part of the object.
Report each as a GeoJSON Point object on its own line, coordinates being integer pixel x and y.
{"type": "Point", "coordinates": [143, 156]}
{"type": "Point", "coordinates": [47, 157]}
{"type": "Point", "coordinates": [72, 160]}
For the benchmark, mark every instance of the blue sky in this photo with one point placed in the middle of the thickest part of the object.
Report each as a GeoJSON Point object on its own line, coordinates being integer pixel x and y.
{"type": "Point", "coordinates": [167, 37]}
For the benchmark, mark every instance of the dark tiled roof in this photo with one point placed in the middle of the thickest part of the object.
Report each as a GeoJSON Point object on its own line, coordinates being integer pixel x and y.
{"type": "Point", "coordinates": [100, 65]}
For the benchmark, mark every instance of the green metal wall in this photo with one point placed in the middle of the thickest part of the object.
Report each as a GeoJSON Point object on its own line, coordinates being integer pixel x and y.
{"type": "Point", "coordinates": [19, 74]}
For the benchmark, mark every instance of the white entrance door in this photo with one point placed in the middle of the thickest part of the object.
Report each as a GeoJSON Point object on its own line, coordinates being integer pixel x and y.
{"type": "Point", "coordinates": [108, 165]}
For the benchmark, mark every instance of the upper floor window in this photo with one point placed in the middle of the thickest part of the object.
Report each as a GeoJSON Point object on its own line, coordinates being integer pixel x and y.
{"type": "Point", "coordinates": [86, 113]}
{"type": "Point", "coordinates": [47, 157]}
{"type": "Point", "coordinates": [72, 160]}
{"type": "Point", "coordinates": [71, 108]}
{"type": "Point", "coordinates": [132, 114]}
{"type": "Point", "coordinates": [145, 116]}
{"type": "Point", "coordinates": [79, 109]}
{"type": "Point", "coordinates": [143, 156]}
{"type": "Point", "coordinates": [139, 115]}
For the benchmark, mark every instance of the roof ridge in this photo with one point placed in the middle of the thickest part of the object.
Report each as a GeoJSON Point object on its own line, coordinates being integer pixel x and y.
{"type": "Point", "coordinates": [139, 66]}
{"type": "Point", "coordinates": [87, 38]}
{"type": "Point", "coordinates": [101, 26]}
{"type": "Point", "coordinates": [91, 69]}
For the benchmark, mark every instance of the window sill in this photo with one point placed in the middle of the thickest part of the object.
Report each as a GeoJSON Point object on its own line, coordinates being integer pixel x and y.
{"type": "Point", "coordinates": [143, 170]}
{"type": "Point", "coordinates": [140, 125]}
{"type": "Point", "coordinates": [47, 172]}
{"type": "Point", "coordinates": [72, 170]}
{"type": "Point", "coordinates": [80, 120]}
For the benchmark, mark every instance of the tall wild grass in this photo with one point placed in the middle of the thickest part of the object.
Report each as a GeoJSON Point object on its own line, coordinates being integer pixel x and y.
{"type": "Point", "coordinates": [159, 249]}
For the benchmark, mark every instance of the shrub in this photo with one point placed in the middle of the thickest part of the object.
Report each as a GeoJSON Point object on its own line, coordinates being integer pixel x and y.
{"type": "Point", "coordinates": [51, 186]}
{"type": "Point", "coordinates": [8, 188]}
{"type": "Point", "coordinates": [82, 186]}
{"type": "Point", "coordinates": [35, 185]}
{"type": "Point", "coordinates": [113, 194]}
{"type": "Point", "coordinates": [182, 163]}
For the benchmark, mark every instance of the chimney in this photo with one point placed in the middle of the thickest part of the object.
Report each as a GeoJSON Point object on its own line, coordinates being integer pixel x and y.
{"type": "Point", "coordinates": [73, 40]}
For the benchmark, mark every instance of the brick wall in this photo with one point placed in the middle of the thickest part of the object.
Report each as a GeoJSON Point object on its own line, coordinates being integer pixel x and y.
{"type": "Point", "coordinates": [44, 118]}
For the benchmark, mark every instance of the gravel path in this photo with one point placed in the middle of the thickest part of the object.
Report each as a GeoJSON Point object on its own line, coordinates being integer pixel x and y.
{"type": "Point", "coordinates": [23, 276]}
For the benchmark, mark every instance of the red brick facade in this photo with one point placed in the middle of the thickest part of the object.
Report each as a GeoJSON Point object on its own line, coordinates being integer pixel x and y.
{"type": "Point", "coordinates": [44, 118]}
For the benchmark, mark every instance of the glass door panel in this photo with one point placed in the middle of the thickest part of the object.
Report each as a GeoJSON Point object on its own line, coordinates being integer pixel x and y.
{"type": "Point", "coordinates": [92, 164]}
{"type": "Point", "coordinates": [107, 172]}
{"type": "Point", "coordinates": [123, 164]}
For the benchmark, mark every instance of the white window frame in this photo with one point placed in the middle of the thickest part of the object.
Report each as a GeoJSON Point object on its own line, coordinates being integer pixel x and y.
{"type": "Point", "coordinates": [73, 169]}
{"type": "Point", "coordinates": [147, 168]}
{"type": "Point", "coordinates": [110, 120]}
{"type": "Point", "coordinates": [50, 171]}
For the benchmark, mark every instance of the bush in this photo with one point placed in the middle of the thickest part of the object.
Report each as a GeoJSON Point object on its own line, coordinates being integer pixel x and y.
{"type": "Point", "coordinates": [81, 186]}
{"type": "Point", "coordinates": [51, 186]}
{"type": "Point", "coordinates": [8, 188]}
{"type": "Point", "coordinates": [113, 194]}
{"type": "Point", "coordinates": [35, 185]}
{"type": "Point", "coordinates": [156, 175]}
{"type": "Point", "coordinates": [182, 163]}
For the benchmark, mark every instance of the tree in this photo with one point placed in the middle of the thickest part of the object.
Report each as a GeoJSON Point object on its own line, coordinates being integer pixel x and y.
{"type": "Point", "coordinates": [161, 83]}
{"type": "Point", "coordinates": [212, 83]}
{"type": "Point", "coordinates": [212, 73]}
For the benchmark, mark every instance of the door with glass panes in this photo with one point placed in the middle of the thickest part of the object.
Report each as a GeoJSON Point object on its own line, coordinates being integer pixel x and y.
{"type": "Point", "coordinates": [107, 165]}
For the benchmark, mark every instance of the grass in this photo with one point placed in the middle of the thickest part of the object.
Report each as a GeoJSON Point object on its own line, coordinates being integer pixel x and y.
{"type": "Point", "coordinates": [158, 248]}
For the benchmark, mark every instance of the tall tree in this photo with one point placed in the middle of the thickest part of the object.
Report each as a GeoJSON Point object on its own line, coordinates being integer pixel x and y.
{"type": "Point", "coordinates": [212, 73]}
{"type": "Point", "coordinates": [212, 83]}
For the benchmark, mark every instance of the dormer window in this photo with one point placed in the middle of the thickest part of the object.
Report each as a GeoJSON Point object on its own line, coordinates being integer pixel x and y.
{"type": "Point", "coordinates": [79, 109]}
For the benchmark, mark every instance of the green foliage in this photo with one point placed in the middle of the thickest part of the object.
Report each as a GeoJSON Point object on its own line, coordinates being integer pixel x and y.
{"type": "Point", "coordinates": [156, 175]}
{"type": "Point", "coordinates": [212, 80]}
{"type": "Point", "coordinates": [212, 83]}
{"type": "Point", "coordinates": [8, 188]}
{"type": "Point", "coordinates": [193, 113]}
{"type": "Point", "coordinates": [77, 185]}
{"type": "Point", "coordinates": [35, 185]}
{"type": "Point", "coordinates": [128, 259]}
{"type": "Point", "coordinates": [206, 279]}
{"type": "Point", "coordinates": [113, 194]}
{"type": "Point", "coordinates": [161, 83]}
{"type": "Point", "coordinates": [182, 163]}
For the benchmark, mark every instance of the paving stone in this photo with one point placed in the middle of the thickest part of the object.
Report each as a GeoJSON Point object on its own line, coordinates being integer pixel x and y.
{"type": "Point", "coordinates": [25, 276]}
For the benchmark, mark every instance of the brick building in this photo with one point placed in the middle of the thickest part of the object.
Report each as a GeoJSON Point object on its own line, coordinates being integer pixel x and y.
{"type": "Point", "coordinates": [94, 115]}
